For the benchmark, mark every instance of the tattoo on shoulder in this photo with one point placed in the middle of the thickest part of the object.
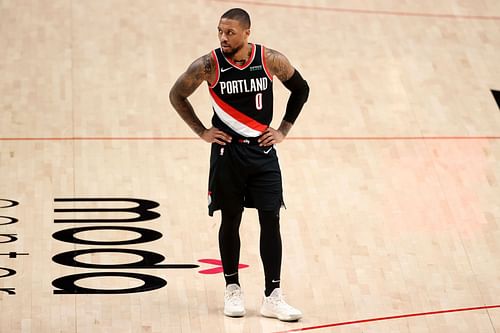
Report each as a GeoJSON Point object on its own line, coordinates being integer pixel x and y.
{"type": "Point", "coordinates": [200, 70]}
{"type": "Point", "coordinates": [205, 68]}
{"type": "Point", "coordinates": [279, 64]}
{"type": "Point", "coordinates": [207, 62]}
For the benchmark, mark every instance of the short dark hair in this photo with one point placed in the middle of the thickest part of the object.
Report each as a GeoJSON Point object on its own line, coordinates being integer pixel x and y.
{"type": "Point", "coordinates": [239, 15]}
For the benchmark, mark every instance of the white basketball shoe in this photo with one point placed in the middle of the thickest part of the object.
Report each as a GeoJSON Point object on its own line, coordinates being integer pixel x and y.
{"type": "Point", "coordinates": [275, 306]}
{"type": "Point", "coordinates": [233, 301]}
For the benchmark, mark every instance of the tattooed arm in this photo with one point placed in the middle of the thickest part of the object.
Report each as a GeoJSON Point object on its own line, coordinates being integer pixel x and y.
{"type": "Point", "coordinates": [202, 69]}
{"type": "Point", "coordinates": [280, 67]}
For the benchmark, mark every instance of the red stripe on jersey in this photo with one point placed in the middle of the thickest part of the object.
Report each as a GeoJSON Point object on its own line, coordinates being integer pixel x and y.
{"type": "Point", "coordinates": [263, 57]}
{"type": "Point", "coordinates": [217, 73]}
{"type": "Point", "coordinates": [239, 116]}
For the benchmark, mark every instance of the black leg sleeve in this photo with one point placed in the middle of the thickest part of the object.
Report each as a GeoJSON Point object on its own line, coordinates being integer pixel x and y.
{"type": "Point", "coordinates": [229, 244]}
{"type": "Point", "coordinates": [270, 248]}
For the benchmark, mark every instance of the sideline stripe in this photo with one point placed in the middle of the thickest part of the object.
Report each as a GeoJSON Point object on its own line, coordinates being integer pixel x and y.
{"type": "Point", "coordinates": [392, 138]}
{"type": "Point", "coordinates": [90, 138]}
{"type": "Point", "coordinates": [295, 138]}
{"type": "Point", "coordinates": [362, 11]}
{"type": "Point", "coordinates": [391, 317]}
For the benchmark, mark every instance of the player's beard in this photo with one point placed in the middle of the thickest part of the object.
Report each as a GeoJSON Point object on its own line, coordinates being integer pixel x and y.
{"type": "Point", "coordinates": [233, 50]}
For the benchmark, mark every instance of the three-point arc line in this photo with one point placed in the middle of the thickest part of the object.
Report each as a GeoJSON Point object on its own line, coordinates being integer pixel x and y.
{"type": "Point", "coordinates": [419, 314]}
{"type": "Point", "coordinates": [361, 11]}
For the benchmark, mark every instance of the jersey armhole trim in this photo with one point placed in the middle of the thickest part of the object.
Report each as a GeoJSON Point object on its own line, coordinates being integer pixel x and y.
{"type": "Point", "coordinates": [217, 72]}
{"type": "Point", "coordinates": [263, 58]}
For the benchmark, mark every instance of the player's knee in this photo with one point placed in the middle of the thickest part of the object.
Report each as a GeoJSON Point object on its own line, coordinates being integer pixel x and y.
{"type": "Point", "coordinates": [231, 217]}
{"type": "Point", "coordinates": [269, 218]}
{"type": "Point", "coordinates": [231, 212]}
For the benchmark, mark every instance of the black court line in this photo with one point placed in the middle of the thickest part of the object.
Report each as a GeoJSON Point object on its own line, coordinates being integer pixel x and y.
{"type": "Point", "coordinates": [496, 96]}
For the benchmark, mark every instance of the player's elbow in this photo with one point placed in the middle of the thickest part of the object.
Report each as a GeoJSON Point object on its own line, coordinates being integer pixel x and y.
{"type": "Point", "coordinates": [174, 97]}
{"type": "Point", "coordinates": [298, 87]}
{"type": "Point", "coordinates": [299, 94]}
{"type": "Point", "coordinates": [300, 91]}
{"type": "Point", "coordinates": [304, 91]}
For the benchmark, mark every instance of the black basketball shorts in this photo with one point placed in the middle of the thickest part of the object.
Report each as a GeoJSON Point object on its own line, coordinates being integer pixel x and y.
{"type": "Point", "coordinates": [243, 174]}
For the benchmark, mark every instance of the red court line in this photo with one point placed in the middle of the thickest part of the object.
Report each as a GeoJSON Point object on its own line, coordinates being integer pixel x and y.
{"type": "Point", "coordinates": [110, 138]}
{"type": "Point", "coordinates": [390, 317]}
{"type": "Point", "coordinates": [392, 138]}
{"type": "Point", "coordinates": [296, 138]}
{"type": "Point", "coordinates": [361, 11]}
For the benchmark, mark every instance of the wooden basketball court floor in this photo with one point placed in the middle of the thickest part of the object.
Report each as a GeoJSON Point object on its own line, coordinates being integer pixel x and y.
{"type": "Point", "coordinates": [391, 173]}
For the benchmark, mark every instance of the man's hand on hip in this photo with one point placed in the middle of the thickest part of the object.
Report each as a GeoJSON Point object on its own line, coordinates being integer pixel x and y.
{"type": "Point", "coordinates": [214, 134]}
{"type": "Point", "coordinates": [271, 137]}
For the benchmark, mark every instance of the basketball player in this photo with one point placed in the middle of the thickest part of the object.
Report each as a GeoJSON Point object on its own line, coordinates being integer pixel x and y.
{"type": "Point", "coordinates": [244, 169]}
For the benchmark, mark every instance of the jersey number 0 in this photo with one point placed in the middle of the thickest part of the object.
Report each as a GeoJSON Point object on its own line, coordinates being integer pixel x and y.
{"type": "Point", "coordinates": [258, 101]}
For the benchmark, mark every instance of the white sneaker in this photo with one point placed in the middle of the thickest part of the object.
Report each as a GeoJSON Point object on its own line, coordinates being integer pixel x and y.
{"type": "Point", "coordinates": [275, 306]}
{"type": "Point", "coordinates": [233, 301]}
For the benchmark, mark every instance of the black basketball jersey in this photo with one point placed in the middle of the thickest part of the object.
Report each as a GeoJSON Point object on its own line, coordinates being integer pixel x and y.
{"type": "Point", "coordinates": [242, 96]}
